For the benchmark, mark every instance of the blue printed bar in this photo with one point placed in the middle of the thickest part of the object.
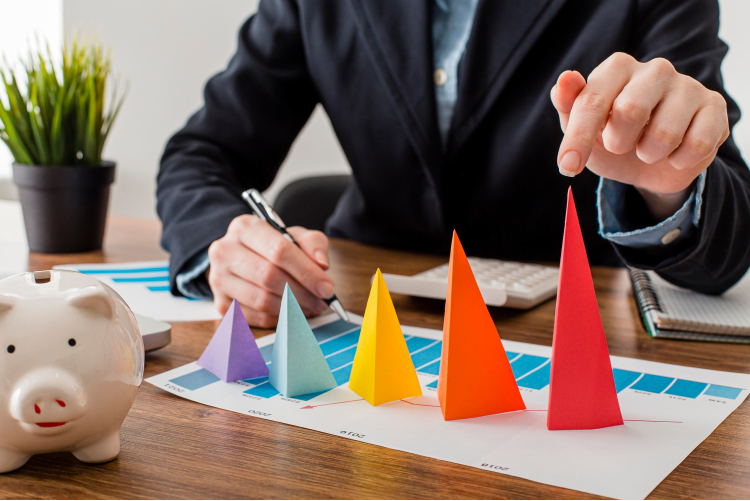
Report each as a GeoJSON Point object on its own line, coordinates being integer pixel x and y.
{"type": "Point", "coordinates": [417, 343]}
{"type": "Point", "coordinates": [195, 380]}
{"type": "Point", "coordinates": [427, 355]}
{"type": "Point", "coordinates": [96, 271]}
{"type": "Point", "coordinates": [536, 380]}
{"type": "Point", "coordinates": [526, 364]}
{"type": "Point", "coordinates": [433, 384]}
{"type": "Point", "coordinates": [340, 343]}
{"type": "Point", "coordinates": [511, 355]}
{"type": "Point", "coordinates": [342, 358]}
{"type": "Point", "coordinates": [342, 374]}
{"type": "Point", "coordinates": [687, 389]}
{"type": "Point", "coordinates": [723, 391]}
{"type": "Point", "coordinates": [433, 368]}
{"type": "Point", "coordinates": [264, 390]}
{"type": "Point", "coordinates": [160, 278]}
{"type": "Point", "coordinates": [624, 378]}
{"type": "Point", "coordinates": [333, 329]}
{"type": "Point", "coordinates": [652, 384]}
{"type": "Point", "coordinates": [256, 381]}
{"type": "Point", "coordinates": [158, 288]}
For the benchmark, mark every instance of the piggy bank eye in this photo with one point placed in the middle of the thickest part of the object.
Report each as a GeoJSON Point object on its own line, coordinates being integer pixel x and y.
{"type": "Point", "coordinates": [11, 348]}
{"type": "Point", "coordinates": [72, 342]}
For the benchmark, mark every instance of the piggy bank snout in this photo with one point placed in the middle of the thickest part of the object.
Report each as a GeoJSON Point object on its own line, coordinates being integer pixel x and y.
{"type": "Point", "coordinates": [47, 398]}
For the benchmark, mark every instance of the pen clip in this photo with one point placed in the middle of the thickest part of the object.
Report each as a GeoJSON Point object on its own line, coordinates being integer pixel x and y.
{"type": "Point", "coordinates": [262, 208]}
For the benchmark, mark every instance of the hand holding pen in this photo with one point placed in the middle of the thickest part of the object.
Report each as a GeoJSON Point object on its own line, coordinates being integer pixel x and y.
{"type": "Point", "coordinates": [254, 260]}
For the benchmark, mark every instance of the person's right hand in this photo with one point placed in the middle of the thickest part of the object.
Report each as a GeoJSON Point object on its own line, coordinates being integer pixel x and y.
{"type": "Point", "coordinates": [252, 262]}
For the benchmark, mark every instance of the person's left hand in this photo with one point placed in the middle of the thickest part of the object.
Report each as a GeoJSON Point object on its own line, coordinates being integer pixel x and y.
{"type": "Point", "coordinates": [642, 124]}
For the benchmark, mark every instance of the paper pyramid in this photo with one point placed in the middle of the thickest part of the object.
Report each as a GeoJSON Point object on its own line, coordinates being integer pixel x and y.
{"type": "Point", "coordinates": [232, 353]}
{"type": "Point", "coordinates": [475, 375]}
{"type": "Point", "coordinates": [582, 394]}
{"type": "Point", "coordinates": [383, 370]}
{"type": "Point", "coordinates": [298, 366]}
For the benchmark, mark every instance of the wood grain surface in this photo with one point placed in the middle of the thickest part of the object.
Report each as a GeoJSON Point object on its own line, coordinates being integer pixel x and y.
{"type": "Point", "coordinates": [174, 448]}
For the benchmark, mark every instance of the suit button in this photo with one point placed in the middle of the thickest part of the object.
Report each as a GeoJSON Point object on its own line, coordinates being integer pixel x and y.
{"type": "Point", "coordinates": [440, 76]}
{"type": "Point", "coordinates": [671, 236]}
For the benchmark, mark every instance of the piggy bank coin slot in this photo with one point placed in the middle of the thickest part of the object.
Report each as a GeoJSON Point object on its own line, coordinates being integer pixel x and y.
{"type": "Point", "coordinates": [42, 277]}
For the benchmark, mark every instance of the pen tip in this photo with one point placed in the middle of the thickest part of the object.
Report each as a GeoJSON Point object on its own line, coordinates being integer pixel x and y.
{"type": "Point", "coordinates": [338, 308]}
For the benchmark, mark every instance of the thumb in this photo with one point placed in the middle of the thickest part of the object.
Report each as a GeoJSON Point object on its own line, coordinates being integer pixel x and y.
{"type": "Point", "coordinates": [313, 243]}
{"type": "Point", "coordinates": [564, 94]}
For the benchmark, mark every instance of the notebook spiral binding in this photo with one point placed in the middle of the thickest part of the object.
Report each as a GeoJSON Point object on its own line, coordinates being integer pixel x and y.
{"type": "Point", "coordinates": [644, 292]}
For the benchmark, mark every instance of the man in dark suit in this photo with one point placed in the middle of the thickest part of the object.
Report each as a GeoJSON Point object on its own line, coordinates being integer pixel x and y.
{"type": "Point", "coordinates": [443, 110]}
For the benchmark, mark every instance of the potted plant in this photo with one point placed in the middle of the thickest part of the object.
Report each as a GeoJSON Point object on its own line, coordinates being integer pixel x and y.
{"type": "Point", "coordinates": [55, 126]}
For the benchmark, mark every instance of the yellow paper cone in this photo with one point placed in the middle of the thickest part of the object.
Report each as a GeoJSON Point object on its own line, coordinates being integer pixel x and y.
{"type": "Point", "coordinates": [382, 370]}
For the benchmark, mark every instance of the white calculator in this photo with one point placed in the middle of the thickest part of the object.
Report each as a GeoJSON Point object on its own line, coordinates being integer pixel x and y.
{"type": "Point", "coordinates": [502, 283]}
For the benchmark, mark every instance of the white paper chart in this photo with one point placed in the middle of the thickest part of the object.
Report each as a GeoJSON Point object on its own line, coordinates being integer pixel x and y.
{"type": "Point", "coordinates": [668, 411]}
{"type": "Point", "coordinates": [145, 287]}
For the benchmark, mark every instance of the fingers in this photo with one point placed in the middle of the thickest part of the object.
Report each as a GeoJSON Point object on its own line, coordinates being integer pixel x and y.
{"type": "Point", "coordinates": [632, 108]}
{"type": "Point", "coordinates": [230, 258]}
{"type": "Point", "coordinates": [313, 243]}
{"type": "Point", "coordinates": [564, 94]}
{"type": "Point", "coordinates": [707, 131]}
{"type": "Point", "coordinates": [253, 317]}
{"type": "Point", "coordinates": [268, 243]}
{"type": "Point", "coordinates": [591, 110]}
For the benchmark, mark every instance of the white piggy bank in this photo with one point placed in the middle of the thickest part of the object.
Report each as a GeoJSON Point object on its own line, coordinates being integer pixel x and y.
{"type": "Point", "coordinates": [71, 363]}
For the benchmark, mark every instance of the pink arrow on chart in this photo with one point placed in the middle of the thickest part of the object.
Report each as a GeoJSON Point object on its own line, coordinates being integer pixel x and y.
{"type": "Point", "coordinates": [333, 403]}
{"type": "Point", "coordinates": [359, 400]}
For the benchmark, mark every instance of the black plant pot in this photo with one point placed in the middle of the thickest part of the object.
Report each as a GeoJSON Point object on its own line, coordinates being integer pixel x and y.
{"type": "Point", "coordinates": [64, 208]}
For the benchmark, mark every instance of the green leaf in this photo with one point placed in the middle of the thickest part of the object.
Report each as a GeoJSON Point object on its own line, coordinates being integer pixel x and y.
{"type": "Point", "coordinates": [62, 118]}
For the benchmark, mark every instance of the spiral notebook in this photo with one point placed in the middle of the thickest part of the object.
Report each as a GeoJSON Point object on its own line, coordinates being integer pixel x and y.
{"type": "Point", "coordinates": [668, 311]}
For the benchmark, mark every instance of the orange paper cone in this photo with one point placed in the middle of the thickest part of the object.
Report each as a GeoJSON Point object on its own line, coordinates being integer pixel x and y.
{"type": "Point", "coordinates": [475, 375]}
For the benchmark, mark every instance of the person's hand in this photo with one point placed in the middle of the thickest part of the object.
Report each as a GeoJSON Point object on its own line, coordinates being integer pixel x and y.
{"type": "Point", "coordinates": [641, 124]}
{"type": "Point", "coordinates": [252, 262]}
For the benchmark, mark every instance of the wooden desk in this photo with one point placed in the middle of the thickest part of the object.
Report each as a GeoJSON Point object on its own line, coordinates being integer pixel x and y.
{"type": "Point", "coordinates": [174, 448]}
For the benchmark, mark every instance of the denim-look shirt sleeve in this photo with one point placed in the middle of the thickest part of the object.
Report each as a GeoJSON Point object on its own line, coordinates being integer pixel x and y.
{"type": "Point", "coordinates": [673, 230]}
{"type": "Point", "coordinates": [191, 282]}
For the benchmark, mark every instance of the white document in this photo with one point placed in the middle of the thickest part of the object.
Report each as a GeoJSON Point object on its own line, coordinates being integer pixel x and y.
{"type": "Point", "coordinates": [668, 410]}
{"type": "Point", "coordinates": [145, 287]}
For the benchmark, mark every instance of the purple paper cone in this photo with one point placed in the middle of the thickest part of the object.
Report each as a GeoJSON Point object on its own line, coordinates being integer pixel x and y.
{"type": "Point", "coordinates": [232, 353]}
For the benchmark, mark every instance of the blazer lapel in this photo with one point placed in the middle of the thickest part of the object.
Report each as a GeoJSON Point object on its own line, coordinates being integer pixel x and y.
{"type": "Point", "coordinates": [398, 37]}
{"type": "Point", "coordinates": [503, 31]}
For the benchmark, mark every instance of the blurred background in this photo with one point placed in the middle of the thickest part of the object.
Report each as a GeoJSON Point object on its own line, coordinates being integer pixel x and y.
{"type": "Point", "coordinates": [167, 49]}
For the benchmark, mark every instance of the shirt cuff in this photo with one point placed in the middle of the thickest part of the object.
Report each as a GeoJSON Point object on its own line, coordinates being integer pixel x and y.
{"type": "Point", "coordinates": [676, 228]}
{"type": "Point", "coordinates": [191, 282]}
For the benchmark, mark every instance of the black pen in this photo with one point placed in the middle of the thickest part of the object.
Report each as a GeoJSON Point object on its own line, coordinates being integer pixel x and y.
{"type": "Point", "coordinates": [263, 210]}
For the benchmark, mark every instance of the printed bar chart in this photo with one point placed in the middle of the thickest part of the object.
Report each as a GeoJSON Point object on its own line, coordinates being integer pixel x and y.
{"type": "Point", "coordinates": [668, 410]}
{"type": "Point", "coordinates": [145, 287]}
{"type": "Point", "coordinates": [338, 342]}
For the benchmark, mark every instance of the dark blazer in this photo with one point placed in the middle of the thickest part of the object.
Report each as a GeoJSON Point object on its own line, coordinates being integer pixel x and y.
{"type": "Point", "coordinates": [369, 62]}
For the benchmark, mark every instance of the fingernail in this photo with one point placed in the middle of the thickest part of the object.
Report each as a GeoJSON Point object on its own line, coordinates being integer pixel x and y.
{"type": "Point", "coordinates": [325, 289]}
{"type": "Point", "coordinates": [569, 164]}
{"type": "Point", "coordinates": [321, 258]}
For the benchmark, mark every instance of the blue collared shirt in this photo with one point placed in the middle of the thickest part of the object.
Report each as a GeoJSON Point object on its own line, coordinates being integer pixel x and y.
{"type": "Point", "coordinates": [451, 25]}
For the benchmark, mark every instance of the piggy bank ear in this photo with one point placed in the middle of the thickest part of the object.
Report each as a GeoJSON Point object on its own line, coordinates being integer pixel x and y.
{"type": "Point", "coordinates": [92, 298]}
{"type": "Point", "coordinates": [6, 302]}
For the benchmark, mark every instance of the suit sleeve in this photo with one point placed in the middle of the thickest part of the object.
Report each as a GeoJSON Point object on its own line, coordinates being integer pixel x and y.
{"type": "Point", "coordinates": [253, 112]}
{"type": "Point", "coordinates": [686, 33]}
